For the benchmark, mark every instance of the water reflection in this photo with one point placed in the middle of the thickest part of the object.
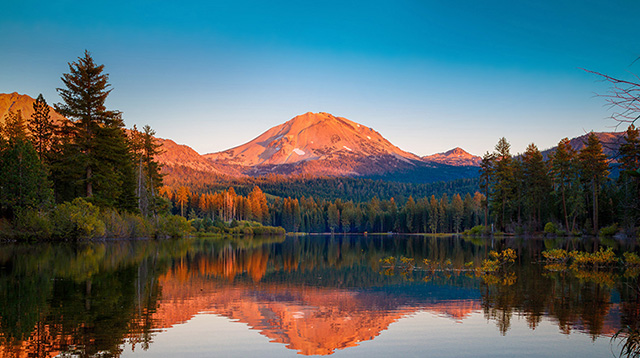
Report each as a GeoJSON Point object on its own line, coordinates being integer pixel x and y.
{"type": "Point", "coordinates": [314, 294]}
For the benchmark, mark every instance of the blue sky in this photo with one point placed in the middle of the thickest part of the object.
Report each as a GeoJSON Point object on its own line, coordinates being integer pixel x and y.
{"type": "Point", "coordinates": [427, 75]}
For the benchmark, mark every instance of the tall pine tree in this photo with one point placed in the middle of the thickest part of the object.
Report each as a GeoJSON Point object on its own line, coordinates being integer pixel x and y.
{"type": "Point", "coordinates": [41, 127]}
{"type": "Point", "coordinates": [594, 168]}
{"type": "Point", "coordinates": [99, 144]}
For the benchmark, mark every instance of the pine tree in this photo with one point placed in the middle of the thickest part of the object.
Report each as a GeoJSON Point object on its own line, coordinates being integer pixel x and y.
{"type": "Point", "coordinates": [84, 99]}
{"type": "Point", "coordinates": [14, 126]}
{"type": "Point", "coordinates": [458, 212]}
{"type": "Point", "coordinates": [502, 188]}
{"type": "Point", "coordinates": [536, 183]}
{"type": "Point", "coordinates": [630, 176]}
{"type": "Point", "coordinates": [182, 197]}
{"type": "Point", "coordinates": [145, 147]}
{"type": "Point", "coordinates": [333, 217]}
{"type": "Point", "coordinates": [594, 169]}
{"type": "Point", "coordinates": [486, 178]}
{"type": "Point", "coordinates": [433, 214]}
{"type": "Point", "coordinates": [41, 127]}
{"type": "Point", "coordinates": [23, 178]}
{"type": "Point", "coordinates": [564, 173]}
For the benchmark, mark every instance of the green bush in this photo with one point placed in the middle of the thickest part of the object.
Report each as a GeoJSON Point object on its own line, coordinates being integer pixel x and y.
{"type": "Point", "coordinates": [125, 225]}
{"type": "Point", "coordinates": [78, 219]}
{"type": "Point", "coordinates": [551, 228]}
{"type": "Point", "coordinates": [476, 231]}
{"type": "Point", "coordinates": [173, 226]}
{"type": "Point", "coordinates": [33, 224]}
{"type": "Point", "coordinates": [609, 231]}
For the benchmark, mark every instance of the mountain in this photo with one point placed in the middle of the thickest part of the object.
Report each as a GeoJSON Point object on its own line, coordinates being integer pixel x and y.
{"type": "Point", "coordinates": [15, 101]}
{"type": "Point", "coordinates": [610, 143]}
{"type": "Point", "coordinates": [456, 157]}
{"type": "Point", "coordinates": [310, 136]}
{"type": "Point", "coordinates": [180, 155]}
{"type": "Point", "coordinates": [320, 144]}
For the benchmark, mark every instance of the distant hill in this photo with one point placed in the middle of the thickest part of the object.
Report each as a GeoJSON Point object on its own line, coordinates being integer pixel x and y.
{"type": "Point", "coordinates": [610, 143]}
{"type": "Point", "coordinates": [15, 101]}
{"type": "Point", "coordinates": [456, 157]}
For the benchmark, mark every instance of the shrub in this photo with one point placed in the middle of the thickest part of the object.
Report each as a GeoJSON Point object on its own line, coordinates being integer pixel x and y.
{"type": "Point", "coordinates": [631, 259]}
{"type": "Point", "coordinates": [476, 231]}
{"type": "Point", "coordinates": [551, 228]}
{"type": "Point", "coordinates": [125, 225]}
{"type": "Point", "coordinates": [173, 226]}
{"type": "Point", "coordinates": [555, 255]}
{"type": "Point", "coordinates": [609, 231]}
{"type": "Point", "coordinates": [599, 258]}
{"type": "Point", "coordinates": [78, 219]}
{"type": "Point", "coordinates": [32, 223]}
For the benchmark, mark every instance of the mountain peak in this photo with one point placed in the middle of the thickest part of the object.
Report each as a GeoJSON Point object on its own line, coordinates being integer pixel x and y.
{"type": "Point", "coordinates": [313, 136]}
{"type": "Point", "coordinates": [456, 156]}
{"type": "Point", "coordinates": [456, 151]}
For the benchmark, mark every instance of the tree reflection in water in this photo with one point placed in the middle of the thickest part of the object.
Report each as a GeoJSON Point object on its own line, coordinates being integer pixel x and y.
{"type": "Point", "coordinates": [101, 298]}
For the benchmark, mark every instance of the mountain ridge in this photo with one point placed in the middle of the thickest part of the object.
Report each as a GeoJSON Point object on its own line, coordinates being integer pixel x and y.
{"type": "Point", "coordinates": [316, 145]}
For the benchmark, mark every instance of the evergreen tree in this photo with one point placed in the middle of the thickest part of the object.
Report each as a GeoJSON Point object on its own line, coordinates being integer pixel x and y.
{"type": "Point", "coordinates": [564, 173]}
{"type": "Point", "coordinates": [182, 197]}
{"type": "Point", "coordinates": [486, 177]}
{"type": "Point", "coordinates": [144, 148]}
{"type": "Point", "coordinates": [433, 214]}
{"type": "Point", "coordinates": [23, 178]}
{"type": "Point", "coordinates": [84, 99]}
{"type": "Point", "coordinates": [502, 188]}
{"type": "Point", "coordinates": [14, 126]}
{"type": "Point", "coordinates": [333, 217]}
{"type": "Point", "coordinates": [536, 183]}
{"type": "Point", "coordinates": [458, 212]}
{"type": "Point", "coordinates": [594, 169]}
{"type": "Point", "coordinates": [630, 176]}
{"type": "Point", "coordinates": [41, 127]}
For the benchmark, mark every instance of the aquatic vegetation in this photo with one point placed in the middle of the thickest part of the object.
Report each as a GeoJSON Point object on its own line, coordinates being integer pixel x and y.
{"type": "Point", "coordinates": [630, 341]}
{"type": "Point", "coordinates": [631, 259]}
{"type": "Point", "coordinates": [556, 255]}
{"type": "Point", "coordinates": [498, 261]}
{"type": "Point", "coordinates": [600, 258]}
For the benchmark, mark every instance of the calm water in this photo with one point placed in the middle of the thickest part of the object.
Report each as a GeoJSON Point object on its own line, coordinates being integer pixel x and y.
{"type": "Point", "coordinates": [311, 295]}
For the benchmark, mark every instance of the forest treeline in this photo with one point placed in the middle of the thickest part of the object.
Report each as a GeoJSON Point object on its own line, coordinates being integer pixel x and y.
{"type": "Point", "coordinates": [307, 214]}
{"type": "Point", "coordinates": [329, 188]}
{"type": "Point", "coordinates": [568, 193]}
{"type": "Point", "coordinates": [86, 176]}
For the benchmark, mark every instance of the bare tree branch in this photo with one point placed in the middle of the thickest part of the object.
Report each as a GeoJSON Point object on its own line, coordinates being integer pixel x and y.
{"type": "Point", "coordinates": [623, 98]}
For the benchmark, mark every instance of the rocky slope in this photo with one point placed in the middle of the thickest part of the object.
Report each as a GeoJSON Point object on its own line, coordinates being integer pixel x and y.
{"type": "Point", "coordinates": [320, 144]}
{"type": "Point", "coordinates": [15, 101]}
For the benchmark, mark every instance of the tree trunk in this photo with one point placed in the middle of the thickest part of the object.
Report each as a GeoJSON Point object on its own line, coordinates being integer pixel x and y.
{"type": "Point", "coordinates": [595, 207]}
{"type": "Point", "coordinates": [564, 208]}
{"type": "Point", "coordinates": [89, 184]}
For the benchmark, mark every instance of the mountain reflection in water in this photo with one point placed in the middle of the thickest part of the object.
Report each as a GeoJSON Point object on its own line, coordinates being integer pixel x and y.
{"type": "Point", "coordinates": [314, 294]}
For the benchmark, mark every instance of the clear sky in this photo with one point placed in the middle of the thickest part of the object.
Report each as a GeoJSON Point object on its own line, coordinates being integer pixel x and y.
{"type": "Point", "coordinates": [428, 75]}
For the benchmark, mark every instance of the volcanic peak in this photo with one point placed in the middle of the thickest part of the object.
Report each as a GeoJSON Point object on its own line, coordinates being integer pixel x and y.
{"type": "Point", "coordinates": [311, 136]}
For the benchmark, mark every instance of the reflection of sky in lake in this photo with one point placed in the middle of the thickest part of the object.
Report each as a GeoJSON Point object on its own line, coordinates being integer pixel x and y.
{"type": "Point", "coordinates": [419, 335]}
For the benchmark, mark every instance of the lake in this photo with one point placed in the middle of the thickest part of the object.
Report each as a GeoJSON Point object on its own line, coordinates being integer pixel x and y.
{"type": "Point", "coordinates": [310, 295]}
